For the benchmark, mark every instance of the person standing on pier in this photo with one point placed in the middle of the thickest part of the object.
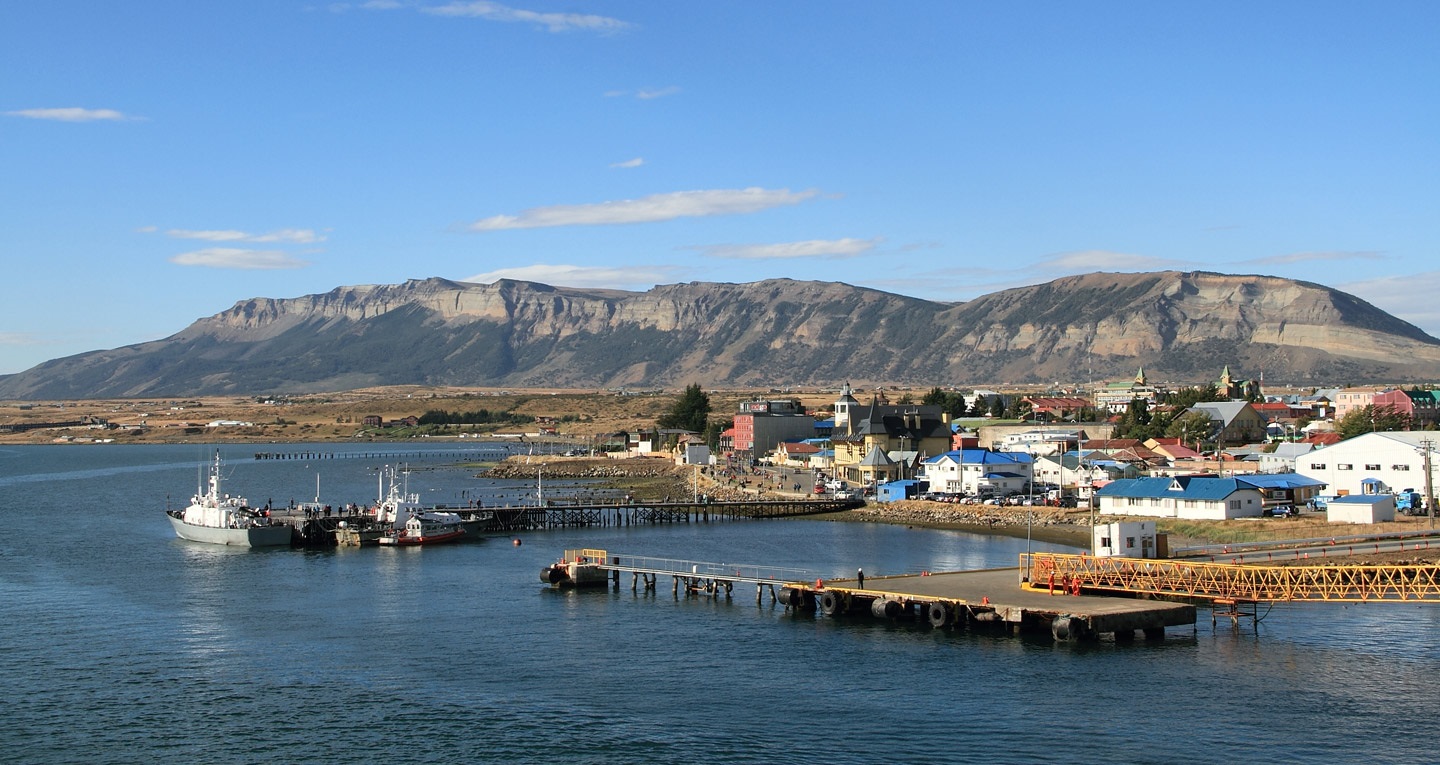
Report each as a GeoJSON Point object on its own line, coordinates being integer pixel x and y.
{"type": "Point", "coordinates": [860, 576]}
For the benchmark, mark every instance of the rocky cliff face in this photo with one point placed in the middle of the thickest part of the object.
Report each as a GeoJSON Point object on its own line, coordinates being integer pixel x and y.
{"type": "Point", "coordinates": [1182, 326]}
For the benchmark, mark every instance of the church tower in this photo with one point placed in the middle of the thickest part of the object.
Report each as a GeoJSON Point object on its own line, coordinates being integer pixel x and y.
{"type": "Point", "coordinates": [845, 408]}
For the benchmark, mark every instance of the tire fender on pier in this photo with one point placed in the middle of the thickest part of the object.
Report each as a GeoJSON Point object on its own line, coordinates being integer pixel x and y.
{"type": "Point", "coordinates": [1069, 628]}
{"type": "Point", "coordinates": [830, 603]}
{"type": "Point", "coordinates": [938, 614]}
{"type": "Point", "coordinates": [882, 608]}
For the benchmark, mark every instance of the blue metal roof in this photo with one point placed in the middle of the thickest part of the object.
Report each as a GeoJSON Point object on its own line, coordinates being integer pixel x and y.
{"type": "Point", "coordinates": [1179, 487]}
{"type": "Point", "coordinates": [984, 457]}
{"type": "Point", "coordinates": [1279, 481]}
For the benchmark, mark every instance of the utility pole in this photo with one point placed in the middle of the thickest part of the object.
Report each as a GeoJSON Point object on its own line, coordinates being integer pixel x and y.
{"type": "Point", "coordinates": [1426, 448]}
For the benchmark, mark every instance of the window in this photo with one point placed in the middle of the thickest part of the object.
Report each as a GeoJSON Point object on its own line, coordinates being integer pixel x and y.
{"type": "Point", "coordinates": [1317, 466]}
{"type": "Point", "coordinates": [1400, 468]}
{"type": "Point", "coordinates": [1372, 467]}
{"type": "Point", "coordinates": [1344, 466]}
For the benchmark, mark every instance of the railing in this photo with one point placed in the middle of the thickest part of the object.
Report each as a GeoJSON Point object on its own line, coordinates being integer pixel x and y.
{"type": "Point", "coordinates": [1219, 581]}
{"type": "Point", "coordinates": [734, 572]}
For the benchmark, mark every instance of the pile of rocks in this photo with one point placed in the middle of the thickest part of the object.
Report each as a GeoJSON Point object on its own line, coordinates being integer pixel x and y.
{"type": "Point", "coordinates": [582, 467]}
{"type": "Point", "coordinates": [937, 513]}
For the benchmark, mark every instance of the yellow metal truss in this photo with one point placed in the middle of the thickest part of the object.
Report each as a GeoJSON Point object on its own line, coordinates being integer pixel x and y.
{"type": "Point", "coordinates": [1232, 582]}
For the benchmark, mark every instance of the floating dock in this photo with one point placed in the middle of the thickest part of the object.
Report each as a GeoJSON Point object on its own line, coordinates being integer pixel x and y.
{"type": "Point", "coordinates": [995, 597]}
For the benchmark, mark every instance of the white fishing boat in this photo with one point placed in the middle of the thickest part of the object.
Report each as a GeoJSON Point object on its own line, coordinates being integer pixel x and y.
{"type": "Point", "coordinates": [217, 518]}
{"type": "Point", "coordinates": [396, 505]}
{"type": "Point", "coordinates": [425, 528]}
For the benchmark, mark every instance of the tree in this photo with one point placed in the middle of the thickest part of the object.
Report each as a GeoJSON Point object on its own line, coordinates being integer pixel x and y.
{"type": "Point", "coordinates": [1372, 419]}
{"type": "Point", "coordinates": [1191, 428]}
{"type": "Point", "coordinates": [690, 412]}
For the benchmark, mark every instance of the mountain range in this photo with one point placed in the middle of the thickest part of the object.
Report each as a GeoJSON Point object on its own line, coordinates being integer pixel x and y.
{"type": "Point", "coordinates": [1179, 326]}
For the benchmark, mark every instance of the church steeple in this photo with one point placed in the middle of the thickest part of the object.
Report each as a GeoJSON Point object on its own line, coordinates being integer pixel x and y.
{"type": "Point", "coordinates": [1140, 376]}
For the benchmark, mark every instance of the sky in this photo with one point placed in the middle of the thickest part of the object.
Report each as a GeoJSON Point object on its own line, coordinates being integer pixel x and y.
{"type": "Point", "coordinates": [161, 161]}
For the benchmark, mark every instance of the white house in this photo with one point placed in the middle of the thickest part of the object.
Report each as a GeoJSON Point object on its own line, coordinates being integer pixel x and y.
{"type": "Point", "coordinates": [978, 472]}
{"type": "Point", "coordinates": [1396, 460]}
{"type": "Point", "coordinates": [1192, 497]}
{"type": "Point", "coordinates": [1125, 539]}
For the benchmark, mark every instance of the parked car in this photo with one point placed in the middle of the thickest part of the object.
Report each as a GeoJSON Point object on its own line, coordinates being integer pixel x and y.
{"type": "Point", "coordinates": [1278, 511]}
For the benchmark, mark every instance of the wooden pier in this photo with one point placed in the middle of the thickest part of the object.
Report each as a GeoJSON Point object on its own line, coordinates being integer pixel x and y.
{"type": "Point", "coordinates": [317, 527]}
{"type": "Point", "coordinates": [558, 515]}
{"type": "Point", "coordinates": [944, 600]}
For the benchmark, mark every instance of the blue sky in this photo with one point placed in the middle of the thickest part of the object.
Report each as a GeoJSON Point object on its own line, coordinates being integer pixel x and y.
{"type": "Point", "coordinates": [160, 161]}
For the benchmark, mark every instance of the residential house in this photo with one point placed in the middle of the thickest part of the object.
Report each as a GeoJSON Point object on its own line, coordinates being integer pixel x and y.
{"type": "Point", "coordinates": [1190, 497]}
{"type": "Point", "coordinates": [1232, 422]}
{"type": "Point", "coordinates": [1055, 408]}
{"type": "Point", "coordinates": [1283, 459]}
{"type": "Point", "coordinates": [979, 472]}
{"type": "Point", "coordinates": [1042, 441]}
{"type": "Point", "coordinates": [795, 453]}
{"type": "Point", "coordinates": [1420, 406]}
{"type": "Point", "coordinates": [1350, 399]}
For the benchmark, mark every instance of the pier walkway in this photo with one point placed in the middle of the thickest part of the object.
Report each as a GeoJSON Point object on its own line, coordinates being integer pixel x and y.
{"type": "Point", "coordinates": [556, 515]}
{"type": "Point", "coordinates": [1230, 583]}
{"type": "Point", "coordinates": [954, 599]}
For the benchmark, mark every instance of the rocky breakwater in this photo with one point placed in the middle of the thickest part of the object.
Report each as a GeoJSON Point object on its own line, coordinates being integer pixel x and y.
{"type": "Point", "coordinates": [584, 467]}
{"type": "Point", "coordinates": [1069, 526]}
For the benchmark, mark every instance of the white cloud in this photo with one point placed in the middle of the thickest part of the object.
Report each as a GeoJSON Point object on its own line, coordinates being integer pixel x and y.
{"type": "Point", "coordinates": [1089, 261]}
{"type": "Point", "coordinates": [657, 207]}
{"type": "Point", "coordinates": [627, 277]}
{"type": "Point", "coordinates": [71, 114]}
{"type": "Point", "coordinates": [653, 93]}
{"type": "Point", "coordinates": [1309, 257]}
{"type": "Point", "coordinates": [19, 338]}
{"type": "Point", "coordinates": [284, 235]}
{"type": "Point", "coordinates": [636, 162]}
{"type": "Point", "coordinates": [644, 94]}
{"type": "Point", "coordinates": [813, 248]}
{"type": "Point", "coordinates": [230, 257]}
{"type": "Point", "coordinates": [553, 22]}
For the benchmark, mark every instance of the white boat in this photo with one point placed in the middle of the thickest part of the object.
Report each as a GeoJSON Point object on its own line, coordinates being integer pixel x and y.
{"type": "Point", "coordinates": [425, 528]}
{"type": "Point", "coordinates": [395, 505]}
{"type": "Point", "coordinates": [217, 518]}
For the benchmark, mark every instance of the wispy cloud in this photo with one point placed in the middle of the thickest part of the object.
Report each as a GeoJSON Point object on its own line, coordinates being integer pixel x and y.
{"type": "Point", "coordinates": [1087, 261]}
{"type": "Point", "coordinates": [813, 248]}
{"type": "Point", "coordinates": [552, 22]}
{"type": "Point", "coordinates": [629, 163]}
{"type": "Point", "coordinates": [645, 94]}
{"type": "Point", "coordinates": [1310, 257]}
{"type": "Point", "coordinates": [72, 114]}
{"type": "Point", "coordinates": [626, 277]}
{"type": "Point", "coordinates": [240, 259]}
{"type": "Point", "coordinates": [284, 235]}
{"type": "Point", "coordinates": [1410, 297]}
{"type": "Point", "coordinates": [19, 338]}
{"type": "Point", "coordinates": [651, 209]}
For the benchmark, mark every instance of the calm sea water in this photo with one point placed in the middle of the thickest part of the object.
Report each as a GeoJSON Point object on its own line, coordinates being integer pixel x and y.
{"type": "Point", "coordinates": [124, 644]}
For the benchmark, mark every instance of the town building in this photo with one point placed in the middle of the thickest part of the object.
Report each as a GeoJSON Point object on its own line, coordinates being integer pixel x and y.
{"type": "Point", "coordinates": [902, 434]}
{"type": "Point", "coordinates": [1189, 497]}
{"type": "Point", "coordinates": [979, 472]}
{"type": "Point", "coordinates": [760, 426]}
{"type": "Point", "coordinates": [1115, 397]}
{"type": "Point", "coordinates": [1394, 461]}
